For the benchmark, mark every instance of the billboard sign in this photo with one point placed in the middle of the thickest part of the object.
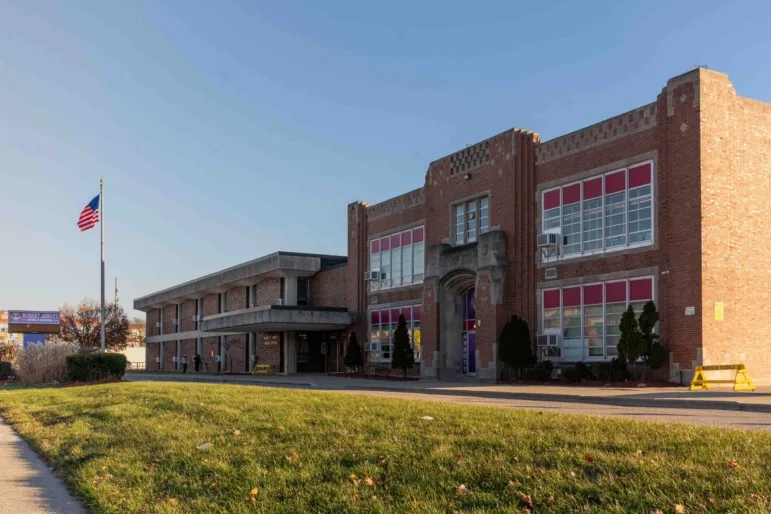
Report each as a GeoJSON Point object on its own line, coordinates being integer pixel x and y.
{"type": "Point", "coordinates": [26, 322]}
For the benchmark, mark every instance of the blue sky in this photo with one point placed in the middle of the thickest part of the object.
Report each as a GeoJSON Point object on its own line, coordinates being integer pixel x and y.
{"type": "Point", "coordinates": [228, 130]}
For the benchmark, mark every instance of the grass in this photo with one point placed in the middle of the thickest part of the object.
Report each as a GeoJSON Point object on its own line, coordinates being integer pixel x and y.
{"type": "Point", "coordinates": [132, 447]}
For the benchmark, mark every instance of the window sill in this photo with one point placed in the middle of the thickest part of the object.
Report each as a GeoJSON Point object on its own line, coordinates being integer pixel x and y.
{"type": "Point", "coordinates": [395, 288]}
{"type": "Point", "coordinates": [594, 253]}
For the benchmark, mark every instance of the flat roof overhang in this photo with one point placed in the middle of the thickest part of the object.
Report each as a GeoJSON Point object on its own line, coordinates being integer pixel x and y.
{"type": "Point", "coordinates": [277, 318]}
{"type": "Point", "coordinates": [279, 264]}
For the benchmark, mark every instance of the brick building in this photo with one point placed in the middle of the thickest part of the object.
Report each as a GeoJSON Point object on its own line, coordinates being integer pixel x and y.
{"type": "Point", "coordinates": [666, 202]}
{"type": "Point", "coordinates": [284, 309]}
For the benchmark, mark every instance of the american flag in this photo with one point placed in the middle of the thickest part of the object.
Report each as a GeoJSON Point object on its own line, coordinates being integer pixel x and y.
{"type": "Point", "coordinates": [89, 215]}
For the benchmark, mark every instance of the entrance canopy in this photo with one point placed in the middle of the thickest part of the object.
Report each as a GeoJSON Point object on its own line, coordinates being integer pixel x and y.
{"type": "Point", "coordinates": [277, 318]}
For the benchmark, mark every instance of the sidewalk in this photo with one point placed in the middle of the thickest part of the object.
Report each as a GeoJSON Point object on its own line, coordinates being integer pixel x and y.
{"type": "Point", "coordinates": [26, 484]}
{"type": "Point", "coordinates": [722, 398]}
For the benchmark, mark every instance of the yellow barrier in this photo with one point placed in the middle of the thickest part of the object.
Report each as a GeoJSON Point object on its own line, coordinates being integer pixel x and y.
{"type": "Point", "coordinates": [262, 369]}
{"type": "Point", "coordinates": [741, 383]}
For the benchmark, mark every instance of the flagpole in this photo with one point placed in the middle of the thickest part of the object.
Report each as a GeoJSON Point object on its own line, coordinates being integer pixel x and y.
{"type": "Point", "coordinates": [101, 228]}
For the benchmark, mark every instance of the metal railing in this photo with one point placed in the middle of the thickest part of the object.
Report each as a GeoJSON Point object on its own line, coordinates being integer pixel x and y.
{"type": "Point", "coordinates": [135, 365]}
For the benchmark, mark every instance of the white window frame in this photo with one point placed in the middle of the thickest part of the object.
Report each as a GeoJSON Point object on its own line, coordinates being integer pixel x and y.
{"type": "Point", "coordinates": [603, 205]}
{"type": "Point", "coordinates": [477, 222]}
{"type": "Point", "coordinates": [584, 347]}
{"type": "Point", "coordinates": [377, 356]}
{"type": "Point", "coordinates": [388, 283]}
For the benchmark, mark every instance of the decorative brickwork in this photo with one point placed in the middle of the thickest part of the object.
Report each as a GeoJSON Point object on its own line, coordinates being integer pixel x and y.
{"type": "Point", "coordinates": [397, 204]}
{"type": "Point", "coordinates": [470, 158]}
{"type": "Point", "coordinates": [599, 134]}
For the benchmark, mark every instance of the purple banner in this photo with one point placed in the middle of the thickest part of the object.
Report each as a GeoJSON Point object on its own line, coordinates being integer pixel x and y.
{"type": "Point", "coordinates": [33, 317]}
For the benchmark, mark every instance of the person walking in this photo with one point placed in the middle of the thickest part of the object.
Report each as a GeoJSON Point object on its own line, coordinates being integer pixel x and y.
{"type": "Point", "coordinates": [197, 363]}
{"type": "Point", "coordinates": [184, 364]}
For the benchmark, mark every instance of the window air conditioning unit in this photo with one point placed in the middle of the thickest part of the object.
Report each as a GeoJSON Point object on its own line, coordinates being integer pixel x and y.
{"type": "Point", "coordinates": [280, 301]}
{"type": "Point", "coordinates": [197, 317]}
{"type": "Point", "coordinates": [548, 240]}
{"type": "Point", "coordinates": [549, 340]}
{"type": "Point", "coordinates": [372, 275]}
{"type": "Point", "coordinates": [157, 324]}
{"type": "Point", "coordinates": [176, 322]}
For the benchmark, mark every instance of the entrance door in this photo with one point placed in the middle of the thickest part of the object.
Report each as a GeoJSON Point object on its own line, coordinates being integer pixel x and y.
{"type": "Point", "coordinates": [468, 350]}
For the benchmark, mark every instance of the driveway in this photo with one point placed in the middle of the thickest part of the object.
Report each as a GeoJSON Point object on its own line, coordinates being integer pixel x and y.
{"type": "Point", "coordinates": [723, 408]}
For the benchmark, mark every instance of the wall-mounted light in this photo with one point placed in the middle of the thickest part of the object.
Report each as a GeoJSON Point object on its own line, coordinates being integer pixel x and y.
{"type": "Point", "coordinates": [467, 176]}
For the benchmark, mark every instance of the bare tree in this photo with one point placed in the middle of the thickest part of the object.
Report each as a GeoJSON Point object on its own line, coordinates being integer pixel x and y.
{"type": "Point", "coordinates": [137, 332]}
{"type": "Point", "coordinates": [81, 325]}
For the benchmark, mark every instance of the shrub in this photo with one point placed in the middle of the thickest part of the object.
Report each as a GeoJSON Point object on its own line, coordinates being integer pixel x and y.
{"type": "Point", "coordinates": [41, 364]}
{"type": "Point", "coordinates": [7, 352]}
{"type": "Point", "coordinates": [657, 355]}
{"type": "Point", "coordinates": [95, 366]}
{"type": "Point", "coordinates": [403, 356]}
{"type": "Point", "coordinates": [352, 357]}
{"type": "Point", "coordinates": [584, 372]}
{"type": "Point", "coordinates": [515, 345]}
{"type": "Point", "coordinates": [619, 370]}
{"type": "Point", "coordinates": [541, 371]}
{"type": "Point", "coordinates": [6, 371]}
{"type": "Point", "coordinates": [570, 375]}
{"type": "Point", "coordinates": [603, 370]}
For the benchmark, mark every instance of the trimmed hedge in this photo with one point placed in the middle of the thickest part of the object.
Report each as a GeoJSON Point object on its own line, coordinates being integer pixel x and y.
{"type": "Point", "coordinates": [95, 366]}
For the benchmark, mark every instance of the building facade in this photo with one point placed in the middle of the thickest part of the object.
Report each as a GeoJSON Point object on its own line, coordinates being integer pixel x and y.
{"type": "Point", "coordinates": [285, 309]}
{"type": "Point", "coordinates": [666, 202]}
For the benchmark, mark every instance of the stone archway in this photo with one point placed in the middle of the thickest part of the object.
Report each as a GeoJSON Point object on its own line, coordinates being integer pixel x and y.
{"type": "Point", "coordinates": [452, 288]}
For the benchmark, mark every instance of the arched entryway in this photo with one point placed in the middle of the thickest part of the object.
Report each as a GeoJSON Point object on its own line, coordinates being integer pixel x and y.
{"type": "Point", "coordinates": [457, 313]}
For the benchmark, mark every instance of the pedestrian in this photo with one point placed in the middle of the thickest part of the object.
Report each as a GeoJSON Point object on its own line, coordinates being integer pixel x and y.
{"type": "Point", "coordinates": [197, 362]}
{"type": "Point", "coordinates": [184, 364]}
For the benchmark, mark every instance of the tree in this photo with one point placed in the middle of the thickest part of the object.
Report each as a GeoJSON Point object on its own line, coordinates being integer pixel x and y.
{"type": "Point", "coordinates": [7, 352]}
{"type": "Point", "coordinates": [631, 345]}
{"type": "Point", "coordinates": [655, 352]}
{"type": "Point", "coordinates": [403, 356]}
{"type": "Point", "coordinates": [515, 346]}
{"type": "Point", "coordinates": [81, 325]}
{"type": "Point", "coordinates": [137, 332]}
{"type": "Point", "coordinates": [352, 357]}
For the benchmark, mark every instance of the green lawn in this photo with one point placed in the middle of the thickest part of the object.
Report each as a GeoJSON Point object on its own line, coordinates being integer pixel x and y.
{"type": "Point", "coordinates": [132, 447]}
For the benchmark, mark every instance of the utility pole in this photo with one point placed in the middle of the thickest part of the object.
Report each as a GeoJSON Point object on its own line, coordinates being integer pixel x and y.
{"type": "Point", "coordinates": [116, 290]}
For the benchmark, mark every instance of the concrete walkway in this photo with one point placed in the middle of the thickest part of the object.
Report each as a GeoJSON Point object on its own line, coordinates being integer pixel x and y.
{"type": "Point", "coordinates": [653, 397]}
{"type": "Point", "coordinates": [27, 486]}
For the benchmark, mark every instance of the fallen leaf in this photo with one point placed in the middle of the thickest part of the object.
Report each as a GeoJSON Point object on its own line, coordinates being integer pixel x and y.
{"type": "Point", "coordinates": [292, 456]}
{"type": "Point", "coordinates": [514, 485]}
{"type": "Point", "coordinates": [204, 446]}
{"type": "Point", "coordinates": [572, 474]}
{"type": "Point", "coordinates": [428, 418]}
{"type": "Point", "coordinates": [679, 509]}
{"type": "Point", "coordinates": [369, 481]}
{"type": "Point", "coordinates": [173, 501]}
{"type": "Point", "coordinates": [526, 499]}
{"type": "Point", "coordinates": [459, 457]}
{"type": "Point", "coordinates": [254, 491]}
{"type": "Point", "coordinates": [733, 463]}
{"type": "Point", "coordinates": [657, 511]}
{"type": "Point", "coordinates": [254, 500]}
{"type": "Point", "coordinates": [463, 490]}
{"type": "Point", "coordinates": [588, 458]}
{"type": "Point", "coordinates": [638, 453]}
{"type": "Point", "coordinates": [550, 500]}
{"type": "Point", "coordinates": [236, 432]}
{"type": "Point", "coordinates": [354, 479]}
{"type": "Point", "coordinates": [541, 469]}
{"type": "Point", "coordinates": [526, 510]}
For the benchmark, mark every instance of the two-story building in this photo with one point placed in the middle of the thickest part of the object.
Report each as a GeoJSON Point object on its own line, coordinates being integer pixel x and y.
{"type": "Point", "coordinates": [285, 309]}
{"type": "Point", "coordinates": [666, 202]}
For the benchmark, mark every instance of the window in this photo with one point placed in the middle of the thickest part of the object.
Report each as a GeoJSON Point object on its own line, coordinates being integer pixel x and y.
{"type": "Point", "coordinates": [383, 324]}
{"type": "Point", "coordinates": [472, 218]}
{"type": "Point", "coordinates": [400, 257]}
{"type": "Point", "coordinates": [302, 290]}
{"type": "Point", "coordinates": [603, 213]}
{"type": "Point", "coordinates": [588, 316]}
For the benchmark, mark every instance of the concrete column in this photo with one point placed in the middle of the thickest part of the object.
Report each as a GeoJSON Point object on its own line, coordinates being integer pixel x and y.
{"type": "Point", "coordinates": [290, 352]}
{"type": "Point", "coordinates": [179, 355]}
{"type": "Point", "coordinates": [162, 355]}
{"type": "Point", "coordinates": [252, 350]}
{"type": "Point", "coordinates": [162, 351]}
{"type": "Point", "coordinates": [198, 340]}
{"type": "Point", "coordinates": [290, 290]}
{"type": "Point", "coordinates": [224, 353]}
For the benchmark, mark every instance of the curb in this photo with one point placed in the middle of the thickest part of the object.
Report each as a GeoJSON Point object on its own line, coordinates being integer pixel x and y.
{"type": "Point", "coordinates": [665, 403]}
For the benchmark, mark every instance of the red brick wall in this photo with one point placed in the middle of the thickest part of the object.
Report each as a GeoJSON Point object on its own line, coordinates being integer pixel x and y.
{"type": "Point", "coordinates": [237, 298]}
{"type": "Point", "coordinates": [170, 351]}
{"type": "Point", "coordinates": [153, 317]}
{"type": "Point", "coordinates": [188, 348]}
{"type": "Point", "coordinates": [736, 191]}
{"type": "Point", "coordinates": [236, 353]}
{"type": "Point", "coordinates": [152, 351]}
{"type": "Point", "coordinates": [210, 305]}
{"type": "Point", "coordinates": [329, 287]}
{"type": "Point", "coordinates": [169, 314]}
{"type": "Point", "coordinates": [210, 349]}
{"type": "Point", "coordinates": [187, 311]}
{"type": "Point", "coordinates": [267, 291]}
{"type": "Point", "coordinates": [268, 354]}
